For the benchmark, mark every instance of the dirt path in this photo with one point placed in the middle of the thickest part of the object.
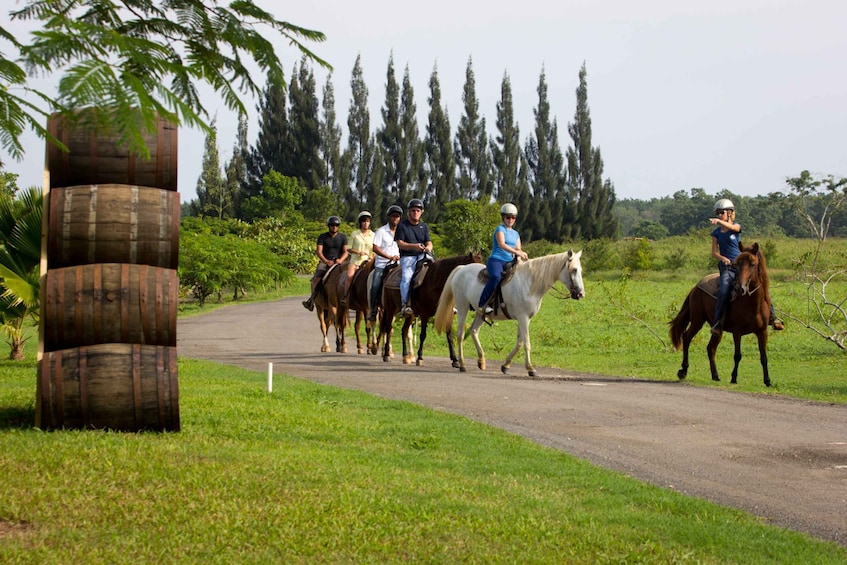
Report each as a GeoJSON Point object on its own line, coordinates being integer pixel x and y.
{"type": "Point", "coordinates": [784, 460]}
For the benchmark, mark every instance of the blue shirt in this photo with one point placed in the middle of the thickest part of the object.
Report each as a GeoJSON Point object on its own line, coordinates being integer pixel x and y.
{"type": "Point", "coordinates": [511, 238]}
{"type": "Point", "coordinates": [729, 242]}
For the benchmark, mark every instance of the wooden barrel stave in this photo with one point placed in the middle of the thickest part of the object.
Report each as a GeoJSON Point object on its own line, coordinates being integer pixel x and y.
{"type": "Point", "coordinates": [113, 223]}
{"type": "Point", "coordinates": [96, 157]}
{"type": "Point", "coordinates": [127, 387]}
{"type": "Point", "coordinates": [109, 303]}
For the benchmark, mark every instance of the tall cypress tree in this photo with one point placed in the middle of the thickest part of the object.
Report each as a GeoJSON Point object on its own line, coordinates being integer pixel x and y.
{"type": "Point", "coordinates": [593, 198]}
{"type": "Point", "coordinates": [330, 148]}
{"type": "Point", "coordinates": [412, 179]}
{"type": "Point", "coordinates": [510, 166]}
{"type": "Point", "coordinates": [546, 172]}
{"type": "Point", "coordinates": [389, 138]}
{"type": "Point", "coordinates": [212, 198]}
{"type": "Point", "coordinates": [269, 151]}
{"type": "Point", "coordinates": [440, 164]}
{"type": "Point", "coordinates": [471, 145]}
{"type": "Point", "coordinates": [359, 153]}
{"type": "Point", "coordinates": [304, 129]}
{"type": "Point", "coordinates": [236, 168]}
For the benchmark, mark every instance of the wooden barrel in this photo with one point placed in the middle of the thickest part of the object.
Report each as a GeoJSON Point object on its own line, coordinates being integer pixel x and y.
{"type": "Point", "coordinates": [113, 223]}
{"type": "Point", "coordinates": [127, 387]}
{"type": "Point", "coordinates": [95, 155]}
{"type": "Point", "coordinates": [109, 303]}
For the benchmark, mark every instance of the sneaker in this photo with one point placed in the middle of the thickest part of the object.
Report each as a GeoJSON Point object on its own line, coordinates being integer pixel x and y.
{"type": "Point", "coordinates": [778, 325]}
{"type": "Point", "coordinates": [407, 310]}
{"type": "Point", "coordinates": [307, 304]}
{"type": "Point", "coordinates": [716, 329]}
{"type": "Point", "coordinates": [488, 310]}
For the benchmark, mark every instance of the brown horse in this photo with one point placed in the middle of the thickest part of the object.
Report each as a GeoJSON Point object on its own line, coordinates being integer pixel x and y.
{"type": "Point", "coordinates": [328, 306]}
{"type": "Point", "coordinates": [747, 314]}
{"type": "Point", "coordinates": [424, 301]}
{"type": "Point", "coordinates": [357, 299]}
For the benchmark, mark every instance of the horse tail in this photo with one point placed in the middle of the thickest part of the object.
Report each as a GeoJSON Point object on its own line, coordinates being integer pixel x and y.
{"type": "Point", "coordinates": [444, 313]}
{"type": "Point", "coordinates": [680, 322]}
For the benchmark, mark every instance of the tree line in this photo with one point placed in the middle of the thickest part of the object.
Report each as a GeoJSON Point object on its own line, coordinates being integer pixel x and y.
{"type": "Point", "coordinates": [297, 161]}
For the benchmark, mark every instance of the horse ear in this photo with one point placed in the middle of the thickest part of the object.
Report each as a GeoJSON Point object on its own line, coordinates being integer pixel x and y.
{"type": "Point", "coordinates": [570, 253]}
{"type": "Point", "coordinates": [755, 249]}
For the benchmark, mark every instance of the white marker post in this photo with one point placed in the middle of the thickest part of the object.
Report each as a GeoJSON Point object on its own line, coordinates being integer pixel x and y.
{"type": "Point", "coordinates": [270, 377]}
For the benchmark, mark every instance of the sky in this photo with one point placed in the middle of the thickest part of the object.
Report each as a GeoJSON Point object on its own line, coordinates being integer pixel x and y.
{"type": "Point", "coordinates": [713, 95]}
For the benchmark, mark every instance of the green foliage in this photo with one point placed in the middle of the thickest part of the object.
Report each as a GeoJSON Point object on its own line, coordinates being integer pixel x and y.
{"type": "Point", "coordinates": [319, 204]}
{"type": "Point", "coordinates": [650, 230]}
{"type": "Point", "coordinates": [280, 196]}
{"type": "Point", "coordinates": [208, 264]}
{"type": "Point", "coordinates": [469, 226]}
{"type": "Point", "coordinates": [638, 255]}
{"type": "Point", "coordinates": [151, 55]}
{"type": "Point", "coordinates": [601, 254]}
{"type": "Point", "coordinates": [288, 240]}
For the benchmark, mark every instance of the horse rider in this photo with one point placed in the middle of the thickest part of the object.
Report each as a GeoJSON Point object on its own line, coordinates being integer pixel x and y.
{"type": "Point", "coordinates": [386, 251]}
{"type": "Point", "coordinates": [726, 246]}
{"type": "Point", "coordinates": [413, 239]}
{"type": "Point", "coordinates": [331, 250]}
{"type": "Point", "coordinates": [506, 245]}
{"type": "Point", "coordinates": [360, 248]}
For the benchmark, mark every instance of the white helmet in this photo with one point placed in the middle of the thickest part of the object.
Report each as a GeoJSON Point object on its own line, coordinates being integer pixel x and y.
{"type": "Point", "coordinates": [724, 204]}
{"type": "Point", "coordinates": [363, 214]}
{"type": "Point", "coordinates": [509, 208]}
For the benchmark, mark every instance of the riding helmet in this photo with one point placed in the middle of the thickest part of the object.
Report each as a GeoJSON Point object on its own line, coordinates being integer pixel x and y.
{"type": "Point", "coordinates": [415, 203]}
{"type": "Point", "coordinates": [394, 209]}
{"type": "Point", "coordinates": [724, 204]}
{"type": "Point", "coordinates": [333, 220]}
{"type": "Point", "coordinates": [363, 214]}
{"type": "Point", "coordinates": [509, 209]}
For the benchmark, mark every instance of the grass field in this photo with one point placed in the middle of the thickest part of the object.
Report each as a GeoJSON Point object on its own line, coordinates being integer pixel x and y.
{"type": "Point", "coordinates": [315, 474]}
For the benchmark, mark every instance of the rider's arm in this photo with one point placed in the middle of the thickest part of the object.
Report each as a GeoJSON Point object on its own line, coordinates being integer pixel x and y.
{"type": "Point", "coordinates": [716, 252]}
{"type": "Point", "coordinates": [320, 253]}
{"type": "Point", "coordinates": [501, 241]}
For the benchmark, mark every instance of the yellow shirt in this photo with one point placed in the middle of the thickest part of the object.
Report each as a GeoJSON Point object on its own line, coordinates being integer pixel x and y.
{"type": "Point", "coordinates": [361, 242]}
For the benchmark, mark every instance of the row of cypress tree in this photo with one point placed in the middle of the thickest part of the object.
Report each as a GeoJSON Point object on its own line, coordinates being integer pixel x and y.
{"type": "Point", "coordinates": [297, 158]}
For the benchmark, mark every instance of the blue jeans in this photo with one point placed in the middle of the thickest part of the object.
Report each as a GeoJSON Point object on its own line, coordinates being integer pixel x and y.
{"type": "Point", "coordinates": [728, 275]}
{"type": "Point", "coordinates": [495, 273]}
{"type": "Point", "coordinates": [407, 269]}
{"type": "Point", "coordinates": [376, 284]}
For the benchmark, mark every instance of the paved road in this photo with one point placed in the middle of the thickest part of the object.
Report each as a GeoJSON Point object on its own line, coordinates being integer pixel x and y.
{"type": "Point", "coordinates": [782, 459]}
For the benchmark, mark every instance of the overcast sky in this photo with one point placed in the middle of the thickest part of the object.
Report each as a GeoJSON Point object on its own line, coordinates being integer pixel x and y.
{"type": "Point", "coordinates": [721, 94]}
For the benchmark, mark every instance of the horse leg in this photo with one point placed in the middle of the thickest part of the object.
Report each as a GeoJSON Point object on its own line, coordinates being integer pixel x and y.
{"type": "Point", "coordinates": [419, 361]}
{"type": "Point", "coordinates": [357, 327]}
{"type": "Point", "coordinates": [736, 338]}
{"type": "Point", "coordinates": [407, 340]}
{"type": "Point", "coordinates": [711, 351]}
{"type": "Point", "coordinates": [340, 330]}
{"type": "Point", "coordinates": [324, 322]}
{"type": "Point", "coordinates": [527, 347]}
{"type": "Point", "coordinates": [385, 330]}
{"type": "Point", "coordinates": [460, 337]}
{"type": "Point", "coordinates": [763, 355]}
{"type": "Point", "coordinates": [480, 354]}
{"type": "Point", "coordinates": [452, 346]}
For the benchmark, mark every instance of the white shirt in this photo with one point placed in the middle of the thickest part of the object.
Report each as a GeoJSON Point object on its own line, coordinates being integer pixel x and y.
{"type": "Point", "coordinates": [384, 239]}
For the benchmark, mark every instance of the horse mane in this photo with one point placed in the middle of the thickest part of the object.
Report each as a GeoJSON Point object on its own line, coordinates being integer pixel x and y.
{"type": "Point", "coordinates": [544, 271]}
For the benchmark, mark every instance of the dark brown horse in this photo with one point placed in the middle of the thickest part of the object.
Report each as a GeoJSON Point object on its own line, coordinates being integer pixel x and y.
{"type": "Point", "coordinates": [328, 306]}
{"type": "Point", "coordinates": [424, 301]}
{"type": "Point", "coordinates": [357, 299]}
{"type": "Point", "coordinates": [747, 314]}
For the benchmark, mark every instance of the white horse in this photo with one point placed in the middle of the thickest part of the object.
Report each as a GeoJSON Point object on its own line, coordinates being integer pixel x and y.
{"type": "Point", "coordinates": [521, 297]}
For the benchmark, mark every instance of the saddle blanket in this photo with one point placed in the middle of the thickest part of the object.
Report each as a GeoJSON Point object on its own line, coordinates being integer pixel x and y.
{"type": "Point", "coordinates": [710, 284]}
{"type": "Point", "coordinates": [392, 279]}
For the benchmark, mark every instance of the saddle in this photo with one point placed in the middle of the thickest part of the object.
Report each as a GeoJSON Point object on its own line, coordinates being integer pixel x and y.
{"type": "Point", "coordinates": [497, 298]}
{"type": "Point", "coordinates": [710, 284]}
{"type": "Point", "coordinates": [392, 279]}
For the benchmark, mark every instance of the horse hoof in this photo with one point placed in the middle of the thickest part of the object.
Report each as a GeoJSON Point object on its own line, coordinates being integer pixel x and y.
{"type": "Point", "coordinates": [481, 365]}
{"type": "Point", "coordinates": [533, 374]}
{"type": "Point", "coordinates": [407, 360]}
{"type": "Point", "coordinates": [385, 358]}
{"type": "Point", "coordinates": [360, 350]}
{"type": "Point", "coordinates": [715, 378]}
{"type": "Point", "coordinates": [504, 369]}
{"type": "Point", "coordinates": [681, 374]}
{"type": "Point", "coordinates": [463, 369]}
{"type": "Point", "coordinates": [419, 363]}
{"type": "Point", "coordinates": [456, 364]}
{"type": "Point", "coordinates": [324, 349]}
{"type": "Point", "coordinates": [767, 382]}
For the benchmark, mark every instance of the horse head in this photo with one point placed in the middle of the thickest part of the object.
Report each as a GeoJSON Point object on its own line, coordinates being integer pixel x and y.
{"type": "Point", "coordinates": [747, 266]}
{"type": "Point", "coordinates": [571, 275]}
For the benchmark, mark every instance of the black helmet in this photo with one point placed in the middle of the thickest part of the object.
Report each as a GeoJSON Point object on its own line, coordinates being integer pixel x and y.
{"type": "Point", "coordinates": [333, 221]}
{"type": "Point", "coordinates": [415, 203]}
{"type": "Point", "coordinates": [394, 209]}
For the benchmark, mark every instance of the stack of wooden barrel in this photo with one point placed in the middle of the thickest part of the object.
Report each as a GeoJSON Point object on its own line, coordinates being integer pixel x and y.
{"type": "Point", "coordinates": [109, 287]}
